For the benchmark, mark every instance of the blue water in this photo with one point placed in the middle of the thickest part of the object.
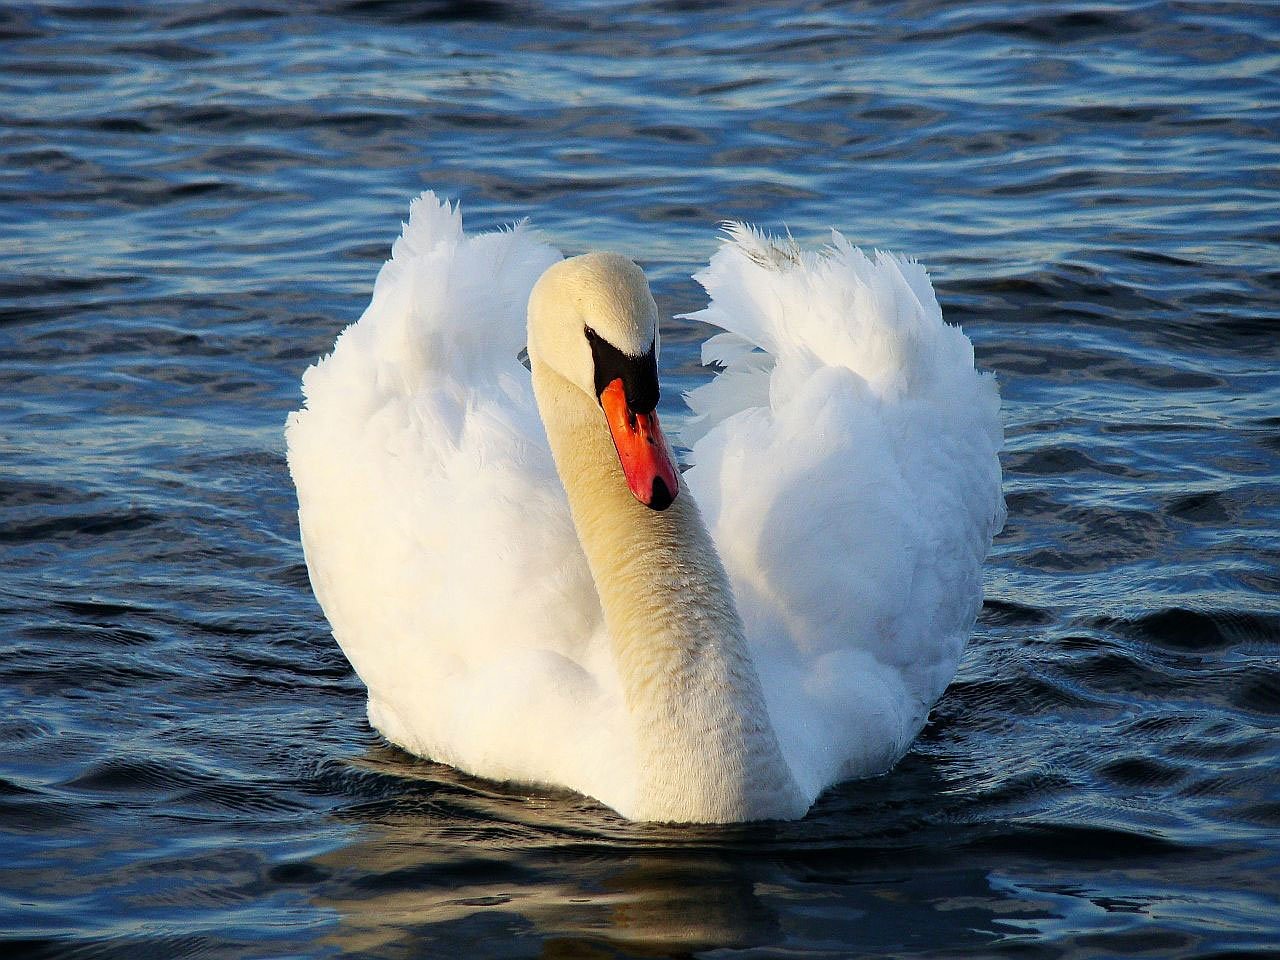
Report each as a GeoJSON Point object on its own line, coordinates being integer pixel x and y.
{"type": "Point", "coordinates": [194, 199]}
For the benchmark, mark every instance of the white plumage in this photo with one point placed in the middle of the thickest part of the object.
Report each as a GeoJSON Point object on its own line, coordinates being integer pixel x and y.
{"type": "Point", "coordinates": [844, 460]}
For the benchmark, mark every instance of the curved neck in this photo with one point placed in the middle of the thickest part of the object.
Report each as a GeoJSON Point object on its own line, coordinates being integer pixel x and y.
{"type": "Point", "coordinates": [704, 744]}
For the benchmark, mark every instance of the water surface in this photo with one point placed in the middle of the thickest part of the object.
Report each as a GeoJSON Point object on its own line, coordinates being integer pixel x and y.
{"type": "Point", "coordinates": [194, 199]}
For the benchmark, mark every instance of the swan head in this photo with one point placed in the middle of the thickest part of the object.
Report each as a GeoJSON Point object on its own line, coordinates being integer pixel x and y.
{"type": "Point", "coordinates": [593, 321]}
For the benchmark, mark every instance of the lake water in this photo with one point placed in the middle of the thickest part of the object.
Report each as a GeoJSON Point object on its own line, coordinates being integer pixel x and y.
{"type": "Point", "coordinates": [195, 197]}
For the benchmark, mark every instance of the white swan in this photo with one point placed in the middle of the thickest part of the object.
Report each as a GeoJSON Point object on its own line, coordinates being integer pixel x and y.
{"type": "Point", "coordinates": [518, 612]}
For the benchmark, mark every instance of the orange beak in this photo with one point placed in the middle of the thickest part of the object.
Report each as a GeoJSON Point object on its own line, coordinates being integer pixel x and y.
{"type": "Point", "coordinates": [642, 449]}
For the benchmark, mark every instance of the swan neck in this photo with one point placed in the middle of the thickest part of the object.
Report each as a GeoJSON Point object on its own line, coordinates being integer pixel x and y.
{"type": "Point", "coordinates": [705, 746]}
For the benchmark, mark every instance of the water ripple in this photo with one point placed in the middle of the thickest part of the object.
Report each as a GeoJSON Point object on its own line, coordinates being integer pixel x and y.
{"type": "Point", "coordinates": [196, 197]}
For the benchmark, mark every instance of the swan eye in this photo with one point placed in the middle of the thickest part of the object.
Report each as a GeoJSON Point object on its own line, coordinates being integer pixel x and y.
{"type": "Point", "coordinates": [639, 375]}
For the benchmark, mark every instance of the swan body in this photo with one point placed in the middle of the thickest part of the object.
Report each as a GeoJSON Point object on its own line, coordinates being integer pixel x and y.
{"type": "Point", "coordinates": [529, 595]}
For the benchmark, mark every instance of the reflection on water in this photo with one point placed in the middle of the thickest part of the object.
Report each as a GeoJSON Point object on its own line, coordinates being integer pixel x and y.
{"type": "Point", "coordinates": [452, 862]}
{"type": "Point", "coordinates": [447, 863]}
{"type": "Point", "coordinates": [648, 902]}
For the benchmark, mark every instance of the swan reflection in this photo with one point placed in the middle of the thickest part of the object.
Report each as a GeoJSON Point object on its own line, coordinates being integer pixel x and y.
{"type": "Point", "coordinates": [442, 862]}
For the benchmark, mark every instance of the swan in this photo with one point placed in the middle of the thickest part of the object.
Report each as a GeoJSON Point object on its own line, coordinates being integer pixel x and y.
{"type": "Point", "coordinates": [532, 590]}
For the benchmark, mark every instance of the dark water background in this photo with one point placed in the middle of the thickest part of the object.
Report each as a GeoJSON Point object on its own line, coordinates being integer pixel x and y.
{"type": "Point", "coordinates": [194, 199]}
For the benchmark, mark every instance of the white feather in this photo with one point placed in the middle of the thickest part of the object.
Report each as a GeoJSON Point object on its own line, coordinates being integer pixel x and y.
{"type": "Point", "coordinates": [846, 464]}
{"type": "Point", "coordinates": [844, 460]}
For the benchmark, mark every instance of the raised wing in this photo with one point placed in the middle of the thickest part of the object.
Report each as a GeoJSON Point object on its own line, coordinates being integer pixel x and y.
{"type": "Point", "coordinates": [436, 531]}
{"type": "Point", "coordinates": [845, 459]}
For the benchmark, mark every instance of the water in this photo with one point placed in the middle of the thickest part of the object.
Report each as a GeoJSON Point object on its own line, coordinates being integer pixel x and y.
{"type": "Point", "coordinates": [194, 199]}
